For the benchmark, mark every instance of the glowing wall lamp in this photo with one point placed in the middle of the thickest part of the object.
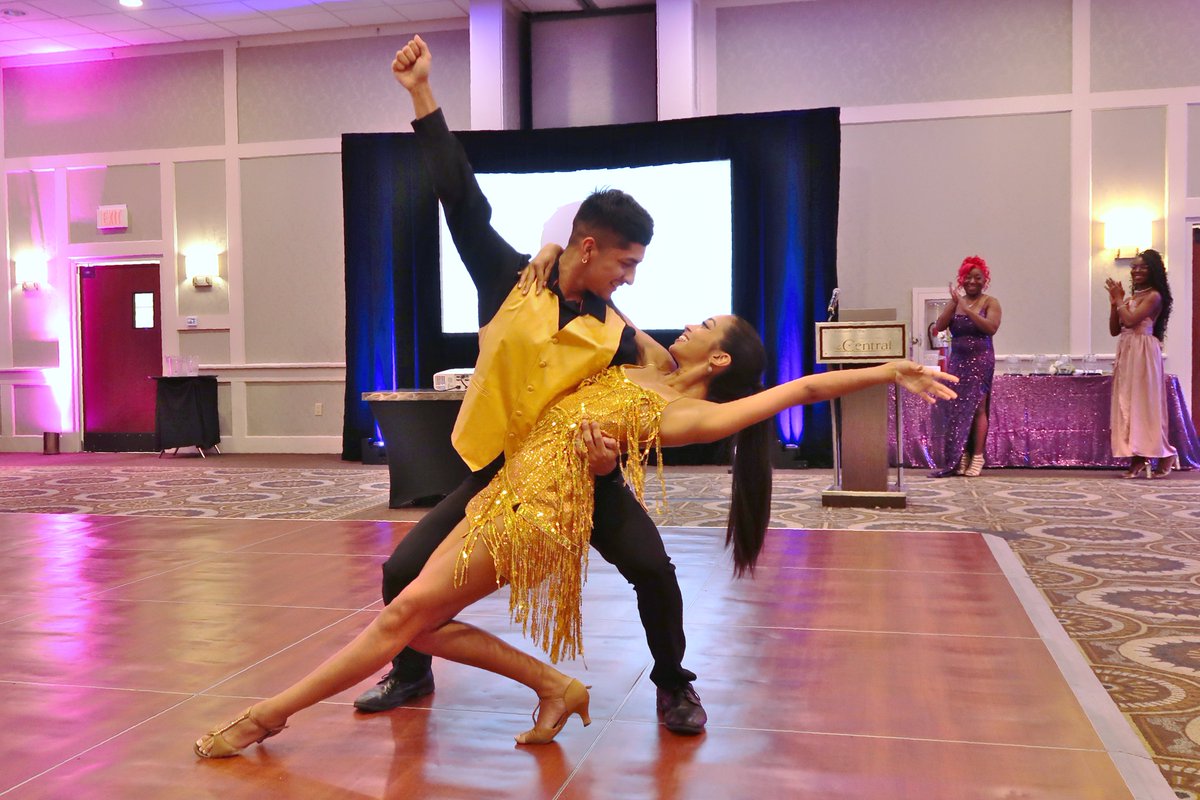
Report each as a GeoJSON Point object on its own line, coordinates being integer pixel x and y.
{"type": "Point", "coordinates": [201, 266]}
{"type": "Point", "coordinates": [1128, 232]}
{"type": "Point", "coordinates": [32, 270]}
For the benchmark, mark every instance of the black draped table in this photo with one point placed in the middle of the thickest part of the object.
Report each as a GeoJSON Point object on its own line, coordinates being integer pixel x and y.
{"type": "Point", "coordinates": [416, 424]}
{"type": "Point", "coordinates": [1045, 421]}
{"type": "Point", "coordinates": [185, 413]}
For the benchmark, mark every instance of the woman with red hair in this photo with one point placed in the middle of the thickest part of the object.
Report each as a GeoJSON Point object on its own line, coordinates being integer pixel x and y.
{"type": "Point", "coordinates": [973, 318]}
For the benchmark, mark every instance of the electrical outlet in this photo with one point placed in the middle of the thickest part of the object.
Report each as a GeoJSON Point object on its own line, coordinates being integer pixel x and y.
{"type": "Point", "coordinates": [192, 322]}
{"type": "Point", "coordinates": [318, 409]}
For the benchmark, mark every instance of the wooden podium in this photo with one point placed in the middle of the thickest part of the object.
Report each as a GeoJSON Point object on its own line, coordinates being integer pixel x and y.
{"type": "Point", "coordinates": [863, 337]}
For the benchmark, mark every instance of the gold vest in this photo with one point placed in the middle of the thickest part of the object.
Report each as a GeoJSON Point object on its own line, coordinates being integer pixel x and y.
{"type": "Point", "coordinates": [525, 365]}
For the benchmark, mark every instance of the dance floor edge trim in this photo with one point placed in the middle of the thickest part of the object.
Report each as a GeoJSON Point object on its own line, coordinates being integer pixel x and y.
{"type": "Point", "coordinates": [1130, 756]}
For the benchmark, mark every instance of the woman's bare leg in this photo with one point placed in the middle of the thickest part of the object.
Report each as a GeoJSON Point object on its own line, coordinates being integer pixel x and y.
{"type": "Point", "coordinates": [977, 443]}
{"type": "Point", "coordinates": [419, 612]}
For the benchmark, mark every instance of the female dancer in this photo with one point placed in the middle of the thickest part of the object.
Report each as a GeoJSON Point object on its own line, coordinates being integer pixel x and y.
{"type": "Point", "coordinates": [534, 518]}
{"type": "Point", "coordinates": [973, 318]}
{"type": "Point", "coordinates": [1138, 414]}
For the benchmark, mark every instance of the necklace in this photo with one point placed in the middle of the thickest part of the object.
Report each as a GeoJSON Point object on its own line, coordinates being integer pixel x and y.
{"type": "Point", "coordinates": [973, 305]}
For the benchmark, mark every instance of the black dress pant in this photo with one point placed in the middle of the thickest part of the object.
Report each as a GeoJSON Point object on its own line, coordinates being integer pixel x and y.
{"type": "Point", "coordinates": [623, 534]}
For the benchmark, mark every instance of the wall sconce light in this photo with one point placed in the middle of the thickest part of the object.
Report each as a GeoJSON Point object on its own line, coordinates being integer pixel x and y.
{"type": "Point", "coordinates": [32, 270]}
{"type": "Point", "coordinates": [1128, 233]}
{"type": "Point", "coordinates": [201, 265]}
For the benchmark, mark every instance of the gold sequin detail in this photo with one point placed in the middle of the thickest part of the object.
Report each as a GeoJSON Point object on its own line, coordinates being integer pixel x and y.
{"type": "Point", "coordinates": [535, 517]}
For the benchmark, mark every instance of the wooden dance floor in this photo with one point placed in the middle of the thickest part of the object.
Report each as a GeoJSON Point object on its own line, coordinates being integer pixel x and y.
{"type": "Point", "coordinates": [856, 664]}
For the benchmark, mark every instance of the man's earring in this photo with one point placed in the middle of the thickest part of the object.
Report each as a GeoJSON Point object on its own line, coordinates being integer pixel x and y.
{"type": "Point", "coordinates": [585, 258]}
{"type": "Point", "coordinates": [710, 369]}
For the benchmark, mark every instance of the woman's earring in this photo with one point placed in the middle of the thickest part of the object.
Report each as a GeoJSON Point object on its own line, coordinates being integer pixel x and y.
{"type": "Point", "coordinates": [710, 369]}
{"type": "Point", "coordinates": [585, 258]}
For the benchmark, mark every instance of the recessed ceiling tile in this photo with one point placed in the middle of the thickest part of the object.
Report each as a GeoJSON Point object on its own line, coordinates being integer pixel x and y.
{"type": "Point", "coordinates": [216, 12]}
{"type": "Point", "coordinates": [91, 41]}
{"type": "Point", "coordinates": [70, 8]}
{"type": "Point", "coordinates": [439, 9]}
{"type": "Point", "coordinates": [312, 21]}
{"type": "Point", "coordinates": [256, 26]}
{"type": "Point", "coordinates": [380, 15]}
{"type": "Point", "coordinates": [53, 27]}
{"type": "Point", "coordinates": [145, 36]}
{"type": "Point", "coordinates": [166, 17]}
{"type": "Point", "coordinates": [108, 23]}
{"type": "Point", "coordinates": [204, 30]}
{"type": "Point", "coordinates": [276, 7]}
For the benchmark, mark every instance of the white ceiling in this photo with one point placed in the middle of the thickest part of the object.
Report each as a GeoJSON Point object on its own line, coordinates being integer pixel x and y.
{"type": "Point", "coordinates": [53, 26]}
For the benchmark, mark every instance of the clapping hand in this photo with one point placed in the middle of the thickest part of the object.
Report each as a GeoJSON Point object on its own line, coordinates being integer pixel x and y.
{"type": "Point", "coordinates": [928, 383]}
{"type": "Point", "coordinates": [1116, 292]}
{"type": "Point", "coordinates": [956, 293]}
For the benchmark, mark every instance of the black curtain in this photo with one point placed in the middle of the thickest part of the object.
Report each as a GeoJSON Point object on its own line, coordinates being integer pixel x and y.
{"type": "Point", "coordinates": [785, 168]}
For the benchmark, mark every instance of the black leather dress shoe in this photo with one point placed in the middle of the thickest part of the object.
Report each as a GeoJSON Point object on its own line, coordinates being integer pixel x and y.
{"type": "Point", "coordinates": [680, 710]}
{"type": "Point", "coordinates": [392, 692]}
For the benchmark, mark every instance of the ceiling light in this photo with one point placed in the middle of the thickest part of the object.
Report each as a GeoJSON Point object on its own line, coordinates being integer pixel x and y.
{"type": "Point", "coordinates": [132, 3]}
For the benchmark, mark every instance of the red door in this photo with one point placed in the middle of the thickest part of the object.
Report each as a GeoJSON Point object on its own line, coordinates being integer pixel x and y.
{"type": "Point", "coordinates": [121, 333]}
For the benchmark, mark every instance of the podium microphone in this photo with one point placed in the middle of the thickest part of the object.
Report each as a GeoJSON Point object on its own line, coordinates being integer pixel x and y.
{"type": "Point", "coordinates": [833, 305]}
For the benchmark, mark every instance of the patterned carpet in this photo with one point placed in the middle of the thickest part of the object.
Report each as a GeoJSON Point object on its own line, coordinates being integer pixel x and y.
{"type": "Point", "coordinates": [1118, 561]}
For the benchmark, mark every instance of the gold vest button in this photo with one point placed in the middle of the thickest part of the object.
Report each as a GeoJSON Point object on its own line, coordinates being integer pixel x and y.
{"type": "Point", "coordinates": [529, 388]}
{"type": "Point", "coordinates": [520, 413]}
{"type": "Point", "coordinates": [553, 340]}
{"type": "Point", "coordinates": [541, 363]}
{"type": "Point", "coordinates": [512, 435]}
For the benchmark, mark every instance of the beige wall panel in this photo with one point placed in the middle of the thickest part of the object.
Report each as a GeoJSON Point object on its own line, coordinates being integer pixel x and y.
{"type": "Point", "coordinates": [1147, 44]}
{"type": "Point", "coordinates": [212, 347]}
{"type": "Point", "coordinates": [136, 186]}
{"type": "Point", "coordinates": [35, 410]}
{"type": "Point", "coordinates": [224, 409]}
{"type": "Point", "coordinates": [322, 89]}
{"type": "Point", "coordinates": [594, 70]}
{"type": "Point", "coordinates": [286, 409]}
{"type": "Point", "coordinates": [1128, 157]}
{"type": "Point", "coordinates": [119, 104]}
{"type": "Point", "coordinates": [38, 318]}
{"type": "Point", "coordinates": [30, 211]}
{"type": "Point", "coordinates": [200, 224]}
{"type": "Point", "coordinates": [871, 52]}
{"type": "Point", "coordinates": [917, 197]}
{"type": "Point", "coordinates": [294, 259]}
{"type": "Point", "coordinates": [1193, 158]}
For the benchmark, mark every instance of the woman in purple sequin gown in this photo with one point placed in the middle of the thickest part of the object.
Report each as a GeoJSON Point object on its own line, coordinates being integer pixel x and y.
{"type": "Point", "coordinates": [1139, 396]}
{"type": "Point", "coordinates": [973, 318]}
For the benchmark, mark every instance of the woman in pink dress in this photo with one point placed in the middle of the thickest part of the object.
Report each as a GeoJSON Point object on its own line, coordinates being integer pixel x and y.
{"type": "Point", "coordinates": [1139, 396]}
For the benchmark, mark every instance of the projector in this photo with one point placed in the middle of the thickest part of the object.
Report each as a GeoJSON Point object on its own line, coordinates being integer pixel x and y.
{"type": "Point", "coordinates": [452, 380]}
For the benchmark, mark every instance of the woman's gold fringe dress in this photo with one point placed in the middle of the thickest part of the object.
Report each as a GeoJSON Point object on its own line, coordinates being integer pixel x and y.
{"type": "Point", "coordinates": [535, 517]}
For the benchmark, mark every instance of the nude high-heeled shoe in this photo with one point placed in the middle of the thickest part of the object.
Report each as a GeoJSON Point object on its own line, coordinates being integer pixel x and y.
{"type": "Point", "coordinates": [576, 699]}
{"type": "Point", "coordinates": [1165, 465]}
{"type": "Point", "coordinates": [214, 744]}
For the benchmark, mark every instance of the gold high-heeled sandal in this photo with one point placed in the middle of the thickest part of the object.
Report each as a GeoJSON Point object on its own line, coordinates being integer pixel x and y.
{"type": "Point", "coordinates": [1138, 467]}
{"type": "Point", "coordinates": [1165, 465]}
{"type": "Point", "coordinates": [576, 699]}
{"type": "Point", "coordinates": [214, 744]}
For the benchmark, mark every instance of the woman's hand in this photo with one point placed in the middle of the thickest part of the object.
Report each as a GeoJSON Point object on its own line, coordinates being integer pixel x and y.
{"type": "Point", "coordinates": [927, 383]}
{"type": "Point", "coordinates": [956, 293]}
{"type": "Point", "coordinates": [1116, 291]}
{"type": "Point", "coordinates": [537, 272]}
{"type": "Point", "coordinates": [600, 449]}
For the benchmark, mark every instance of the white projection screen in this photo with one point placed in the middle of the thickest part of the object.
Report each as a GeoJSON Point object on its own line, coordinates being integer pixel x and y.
{"type": "Point", "coordinates": [688, 272]}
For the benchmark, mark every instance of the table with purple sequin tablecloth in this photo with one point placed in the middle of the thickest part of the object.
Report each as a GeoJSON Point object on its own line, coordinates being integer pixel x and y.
{"type": "Point", "coordinates": [1046, 421]}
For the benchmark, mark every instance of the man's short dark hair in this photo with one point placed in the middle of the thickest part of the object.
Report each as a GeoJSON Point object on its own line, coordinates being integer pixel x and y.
{"type": "Point", "coordinates": [614, 212]}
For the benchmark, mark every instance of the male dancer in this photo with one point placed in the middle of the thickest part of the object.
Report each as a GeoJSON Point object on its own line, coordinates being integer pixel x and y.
{"type": "Point", "coordinates": [550, 342]}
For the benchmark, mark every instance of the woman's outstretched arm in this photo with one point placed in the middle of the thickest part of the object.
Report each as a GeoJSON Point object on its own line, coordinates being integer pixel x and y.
{"type": "Point", "coordinates": [688, 421]}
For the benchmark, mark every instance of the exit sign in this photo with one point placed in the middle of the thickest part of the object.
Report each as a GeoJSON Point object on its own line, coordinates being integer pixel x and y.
{"type": "Point", "coordinates": [109, 218]}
